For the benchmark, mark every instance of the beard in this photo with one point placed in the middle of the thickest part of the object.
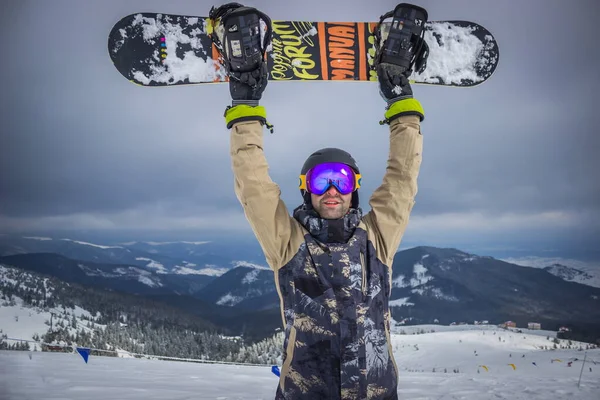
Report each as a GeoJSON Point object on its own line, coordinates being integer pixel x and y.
{"type": "Point", "coordinates": [332, 212]}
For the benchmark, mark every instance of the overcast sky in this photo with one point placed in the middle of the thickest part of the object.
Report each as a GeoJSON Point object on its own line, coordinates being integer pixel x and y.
{"type": "Point", "coordinates": [512, 164]}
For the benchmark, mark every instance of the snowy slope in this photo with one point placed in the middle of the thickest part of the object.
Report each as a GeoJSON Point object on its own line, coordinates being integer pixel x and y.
{"type": "Point", "coordinates": [574, 275]}
{"type": "Point", "coordinates": [65, 376]}
{"type": "Point", "coordinates": [20, 321]}
{"type": "Point", "coordinates": [587, 273]}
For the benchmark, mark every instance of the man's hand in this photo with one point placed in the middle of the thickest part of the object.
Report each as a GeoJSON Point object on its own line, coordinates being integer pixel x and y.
{"type": "Point", "coordinates": [395, 89]}
{"type": "Point", "coordinates": [248, 87]}
{"type": "Point", "coordinates": [393, 83]}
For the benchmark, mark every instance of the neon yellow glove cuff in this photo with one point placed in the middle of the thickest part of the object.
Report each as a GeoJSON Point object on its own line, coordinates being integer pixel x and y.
{"type": "Point", "coordinates": [244, 112]}
{"type": "Point", "coordinates": [404, 107]}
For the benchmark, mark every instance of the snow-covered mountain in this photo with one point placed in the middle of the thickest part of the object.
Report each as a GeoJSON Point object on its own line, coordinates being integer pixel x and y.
{"type": "Point", "coordinates": [203, 253]}
{"type": "Point", "coordinates": [41, 308]}
{"type": "Point", "coordinates": [181, 258]}
{"type": "Point", "coordinates": [428, 284]}
{"type": "Point", "coordinates": [446, 285]}
{"type": "Point", "coordinates": [584, 272]}
{"type": "Point", "coordinates": [570, 274]}
{"type": "Point", "coordinates": [246, 286]}
{"type": "Point", "coordinates": [120, 277]}
{"type": "Point", "coordinates": [449, 285]}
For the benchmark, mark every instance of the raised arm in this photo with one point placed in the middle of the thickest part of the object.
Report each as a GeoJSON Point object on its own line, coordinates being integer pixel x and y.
{"type": "Point", "coordinates": [392, 203]}
{"type": "Point", "coordinates": [259, 195]}
{"type": "Point", "coordinates": [246, 66]}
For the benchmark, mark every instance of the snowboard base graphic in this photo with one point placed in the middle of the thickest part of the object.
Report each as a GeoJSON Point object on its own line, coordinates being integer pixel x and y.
{"type": "Point", "coordinates": [153, 49]}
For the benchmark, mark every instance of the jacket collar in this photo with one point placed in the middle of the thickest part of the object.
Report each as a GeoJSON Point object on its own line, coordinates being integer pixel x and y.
{"type": "Point", "coordinates": [328, 230]}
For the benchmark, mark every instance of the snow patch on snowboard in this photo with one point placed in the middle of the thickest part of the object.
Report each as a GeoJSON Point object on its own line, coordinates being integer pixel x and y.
{"type": "Point", "coordinates": [456, 55]}
{"type": "Point", "coordinates": [173, 68]}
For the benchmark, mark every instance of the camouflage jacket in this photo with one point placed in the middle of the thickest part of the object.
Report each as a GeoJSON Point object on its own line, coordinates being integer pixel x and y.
{"type": "Point", "coordinates": [333, 277]}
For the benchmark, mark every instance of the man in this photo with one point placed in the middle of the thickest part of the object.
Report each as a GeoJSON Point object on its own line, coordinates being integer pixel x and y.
{"type": "Point", "coordinates": [332, 264]}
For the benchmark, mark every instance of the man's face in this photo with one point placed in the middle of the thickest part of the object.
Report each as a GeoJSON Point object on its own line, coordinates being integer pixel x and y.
{"type": "Point", "coordinates": [331, 204]}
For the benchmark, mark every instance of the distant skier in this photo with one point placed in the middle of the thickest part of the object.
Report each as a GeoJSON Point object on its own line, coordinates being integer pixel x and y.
{"type": "Point", "coordinates": [332, 264]}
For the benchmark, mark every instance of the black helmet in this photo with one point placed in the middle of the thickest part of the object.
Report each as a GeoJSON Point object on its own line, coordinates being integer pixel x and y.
{"type": "Point", "coordinates": [329, 154]}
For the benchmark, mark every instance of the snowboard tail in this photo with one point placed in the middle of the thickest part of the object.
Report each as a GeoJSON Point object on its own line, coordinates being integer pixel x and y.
{"type": "Point", "coordinates": [153, 49]}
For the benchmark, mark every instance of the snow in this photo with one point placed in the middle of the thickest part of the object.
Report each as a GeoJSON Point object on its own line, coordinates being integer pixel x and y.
{"type": "Point", "coordinates": [453, 55]}
{"type": "Point", "coordinates": [588, 268]}
{"type": "Point", "coordinates": [212, 270]}
{"type": "Point", "coordinates": [167, 243]}
{"type": "Point", "coordinates": [250, 277]}
{"type": "Point", "coordinates": [4, 276]}
{"type": "Point", "coordinates": [160, 269]}
{"type": "Point", "coordinates": [465, 348]}
{"type": "Point", "coordinates": [437, 293]}
{"type": "Point", "coordinates": [149, 281]}
{"type": "Point", "coordinates": [179, 270]}
{"type": "Point", "coordinates": [401, 302]}
{"type": "Point", "coordinates": [173, 68]}
{"type": "Point", "coordinates": [421, 277]}
{"type": "Point", "coordinates": [399, 282]}
{"type": "Point", "coordinates": [229, 300]}
{"type": "Point", "coordinates": [22, 322]}
{"type": "Point", "coordinates": [542, 262]}
{"type": "Point", "coordinates": [37, 238]}
{"type": "Point", "coordinates": [249, 264]}
{"type": "Point", "coordinates": [209, 269]}
{"type": "Point", "coordinates": [92, 244]}
{"type": "Point", "coordinates": [80, 312]}
{"type": "Point", "coordinates": [573, 275]}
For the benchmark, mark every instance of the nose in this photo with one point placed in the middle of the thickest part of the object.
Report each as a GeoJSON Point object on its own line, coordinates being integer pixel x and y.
{"type": "Point", "coordinates": [332, 191]}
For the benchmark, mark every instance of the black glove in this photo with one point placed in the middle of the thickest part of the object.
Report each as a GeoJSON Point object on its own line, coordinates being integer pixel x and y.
{"type": "Point", "coordinates": [395, 89]}
{"type": "Point", "coordinates": [248, 87]}
{"type": "Point", "coordinates": [237, 36]}
{"type": "Point", "coordinates": [393, 82]}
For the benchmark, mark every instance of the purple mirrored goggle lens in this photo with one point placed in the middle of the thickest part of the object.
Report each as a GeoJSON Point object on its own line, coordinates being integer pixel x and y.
{"type": "Point", "coordinates": [321, 177]}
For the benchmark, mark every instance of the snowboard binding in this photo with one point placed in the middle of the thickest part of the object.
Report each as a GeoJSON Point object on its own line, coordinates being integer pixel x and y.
{"type": "Point", "coordinates": [239, 36]}
{"type": "Point", "coordinates": [401, 42]}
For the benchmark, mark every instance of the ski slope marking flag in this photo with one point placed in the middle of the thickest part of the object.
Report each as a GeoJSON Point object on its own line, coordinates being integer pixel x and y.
{"type": "Point", "coordinates": [84, 352]}
{"type": "Point", "coordinates": [275, 370]}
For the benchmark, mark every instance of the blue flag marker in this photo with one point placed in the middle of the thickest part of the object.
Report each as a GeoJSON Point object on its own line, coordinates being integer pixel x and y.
{"type": "Point", "coordinates": [275, 370]}
{"type": "Point", "coordinates": [84, 352]}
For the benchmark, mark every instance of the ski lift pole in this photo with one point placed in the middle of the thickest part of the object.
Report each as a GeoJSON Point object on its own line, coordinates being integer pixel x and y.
{"type": "Point", "coordinates": [582, 365]}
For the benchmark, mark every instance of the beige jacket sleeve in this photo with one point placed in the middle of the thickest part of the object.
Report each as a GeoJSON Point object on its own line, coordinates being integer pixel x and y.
{"type": "Point", "coordinates": [267, 214]}
{"type": "Point", "coordinates": [392, 202]}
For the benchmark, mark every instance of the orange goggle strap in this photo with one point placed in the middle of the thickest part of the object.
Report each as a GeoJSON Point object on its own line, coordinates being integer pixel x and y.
{"type": "Point", "coordinates": [357, 180]}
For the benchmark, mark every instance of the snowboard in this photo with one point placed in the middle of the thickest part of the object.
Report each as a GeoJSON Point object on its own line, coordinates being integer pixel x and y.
{"type": "Point", "coordinates": [153, 49]}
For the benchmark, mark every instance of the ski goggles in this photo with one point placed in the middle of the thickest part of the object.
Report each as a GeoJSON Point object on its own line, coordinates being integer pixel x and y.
{"type": "Point", "coordinates": [322, 176]}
